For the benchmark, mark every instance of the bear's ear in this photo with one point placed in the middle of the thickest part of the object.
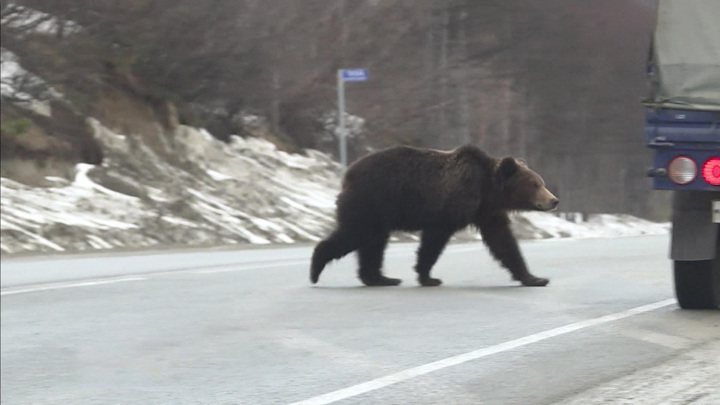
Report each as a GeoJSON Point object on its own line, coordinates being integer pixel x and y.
{"type": "Point", "coordinates": [506, 169]}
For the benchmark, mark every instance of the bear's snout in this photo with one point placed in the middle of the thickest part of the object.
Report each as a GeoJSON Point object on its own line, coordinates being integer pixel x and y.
{"type": "Point", "coordinates": [547, 201]}
{"type": "Point", "coordinates": [547, 207]}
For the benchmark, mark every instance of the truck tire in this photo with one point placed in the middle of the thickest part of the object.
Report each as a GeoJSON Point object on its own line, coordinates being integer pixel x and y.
{"type": "Point", "coordinates": [697, 283]}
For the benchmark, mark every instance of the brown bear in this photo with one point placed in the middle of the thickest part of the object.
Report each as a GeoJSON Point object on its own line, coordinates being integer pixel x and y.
{"type": "Point", "coordinates": [436, 192]}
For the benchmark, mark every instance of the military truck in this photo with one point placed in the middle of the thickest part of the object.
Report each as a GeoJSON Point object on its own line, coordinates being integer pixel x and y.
{"type": "Point", "coordinates": [683, 129]}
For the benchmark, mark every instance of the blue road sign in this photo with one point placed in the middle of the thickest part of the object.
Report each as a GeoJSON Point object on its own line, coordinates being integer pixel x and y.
{"type": "Point", "coordinates": [354, 75]}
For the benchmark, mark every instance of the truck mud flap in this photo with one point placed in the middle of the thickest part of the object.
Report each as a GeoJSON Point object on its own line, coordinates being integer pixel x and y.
{"type": "Point", "coordinates": [694, 235]}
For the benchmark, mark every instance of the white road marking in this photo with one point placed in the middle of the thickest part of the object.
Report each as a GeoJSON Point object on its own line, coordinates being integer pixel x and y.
{"type": "Point", "coordinates": [410, 373]}
{"type": "Point", "coordinates": [213, 269]}
{"type": "Point", "coordinates": [241, 267]}
{"type": "Point", "coordinates": [45, 287]}
{"type": "Point", "coordinates": [223, 268]}
{"type": "Point", "coordinates": [144, 276]}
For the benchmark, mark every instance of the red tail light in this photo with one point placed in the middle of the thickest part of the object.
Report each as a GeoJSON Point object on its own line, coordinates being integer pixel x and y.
{"type": "Point", "coordinates": [711, 171]}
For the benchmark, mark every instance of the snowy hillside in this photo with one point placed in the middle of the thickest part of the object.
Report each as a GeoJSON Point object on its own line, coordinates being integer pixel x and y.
{"type": "Point", "coordinates": [201, 191]}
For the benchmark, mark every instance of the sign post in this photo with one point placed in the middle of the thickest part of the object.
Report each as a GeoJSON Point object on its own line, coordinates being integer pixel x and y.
{"type": "Point", "coordinates": [345, 75]}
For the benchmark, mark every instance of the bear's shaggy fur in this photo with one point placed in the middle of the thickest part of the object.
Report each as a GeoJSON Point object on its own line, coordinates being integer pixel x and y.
{"type": "Point", "coordinates": [438, 193]}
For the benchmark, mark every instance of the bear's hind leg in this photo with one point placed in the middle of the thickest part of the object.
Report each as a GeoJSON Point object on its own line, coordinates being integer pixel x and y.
{"type": "Point", "coordinates": [370, 259]}
{"type": "Point", "coordinates": [337, 245]}
{"type": "Point", "coordinates": [432, 243]}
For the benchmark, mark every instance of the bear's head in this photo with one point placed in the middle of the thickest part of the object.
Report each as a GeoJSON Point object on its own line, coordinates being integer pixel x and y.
{"type": "Point", "coordinates": [521, 188]}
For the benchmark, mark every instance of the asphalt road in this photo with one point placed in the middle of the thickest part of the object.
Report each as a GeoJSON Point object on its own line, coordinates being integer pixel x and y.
{"type": "Point", "coordinates": [246, 327]}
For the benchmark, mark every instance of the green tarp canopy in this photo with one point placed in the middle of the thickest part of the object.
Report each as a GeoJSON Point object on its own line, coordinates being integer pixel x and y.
{"type": "Point", "coordinates": [685, 57]}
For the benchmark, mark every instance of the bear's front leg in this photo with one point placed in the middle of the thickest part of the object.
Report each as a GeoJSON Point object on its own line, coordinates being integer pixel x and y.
{"type": "Point", "coordinates": [432, 243]}
{"type": "Point", "coordinates": [497, 235]}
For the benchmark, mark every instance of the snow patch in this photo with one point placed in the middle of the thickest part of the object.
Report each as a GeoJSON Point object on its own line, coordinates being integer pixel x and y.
{"type": "Point", "coordinates": [28, 19]}
{"type": "Point", "coordinates": [218, 176]}
{"type": "Point", "coordinates": [16, 83]}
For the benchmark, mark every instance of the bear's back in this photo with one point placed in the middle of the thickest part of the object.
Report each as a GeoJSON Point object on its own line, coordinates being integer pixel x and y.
{"type": "Point", "coordinates": [399, 164]}
{"type": "Point", "coordinates": [410, 187]}
{"type": "Point", "coordinates": [414, 166]}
